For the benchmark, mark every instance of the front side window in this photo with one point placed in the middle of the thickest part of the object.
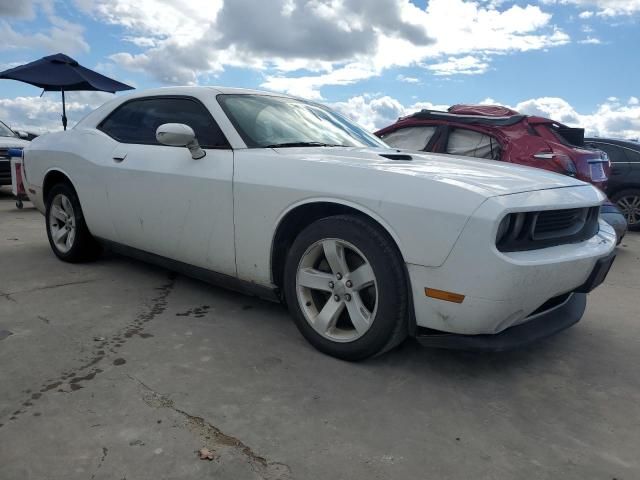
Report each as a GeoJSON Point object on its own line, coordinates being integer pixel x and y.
{"type": "Point", "coordinates": [470, 143]}
{"type": "Point", "coordinates": [136, 121]}
{"type": "Point", "coordinates": [6, 131]}
{"type": "Point", "coordinates": [271, 121]}
{"type": "Point", "coordinates": [410, 138]}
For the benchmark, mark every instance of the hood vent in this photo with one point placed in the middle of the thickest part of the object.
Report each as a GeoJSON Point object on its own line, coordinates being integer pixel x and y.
{"type": "Point", "coordinates": [397, 156]}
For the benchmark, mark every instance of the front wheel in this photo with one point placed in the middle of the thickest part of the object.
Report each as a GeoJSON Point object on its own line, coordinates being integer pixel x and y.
{"type": "Point", "coordinates": [628, 201]}
{"type": "Point", "coordinates": [346, 288]}
{"type": "Point", "coordinates": [67, 231]}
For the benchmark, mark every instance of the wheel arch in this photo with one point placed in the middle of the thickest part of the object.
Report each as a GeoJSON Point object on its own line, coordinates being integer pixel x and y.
{"type": "Point", "coordinates": [300, 215]}
{"type": "Point", "coordinates": [53, 177]}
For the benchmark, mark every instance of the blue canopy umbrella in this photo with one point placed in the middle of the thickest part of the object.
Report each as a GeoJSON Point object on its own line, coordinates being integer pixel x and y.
{"type": "Point", "coordinates": [60, 73]}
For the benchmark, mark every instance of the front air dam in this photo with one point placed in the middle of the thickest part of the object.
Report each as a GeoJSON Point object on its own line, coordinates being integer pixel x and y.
{"type": "Point", "coordinates": [539, 326]}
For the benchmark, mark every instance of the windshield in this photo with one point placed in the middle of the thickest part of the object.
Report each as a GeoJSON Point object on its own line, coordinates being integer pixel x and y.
{"type": "Point", "coordinates": [272, 121]}
{"type": "Point", "coordinates": [6, 131]}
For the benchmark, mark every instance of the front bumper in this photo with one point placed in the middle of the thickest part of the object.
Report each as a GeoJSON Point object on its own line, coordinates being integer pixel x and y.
{"type": "Point", "coordinates": [503, 290]}
{"type": "Point", "coordinates": [538, 327]}
{"type": "Point", "coordinates": [556, 315]}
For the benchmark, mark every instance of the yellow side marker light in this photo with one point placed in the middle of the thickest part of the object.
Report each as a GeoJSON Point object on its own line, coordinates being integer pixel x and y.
{"type": "Point", "coordinates": [442, 295]}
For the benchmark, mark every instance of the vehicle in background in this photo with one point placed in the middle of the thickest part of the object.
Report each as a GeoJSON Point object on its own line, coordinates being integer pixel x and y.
{"type": "Point", "coordinates": [288, 200]}
{"type": "Point", "coordinates": [494, 132]}
{"type": "Point", "coordinates": [623, 187]}
{"type": "Point", "coordinates": [26, 135]}
{"type": "Point", "coordinates": [8, 140]}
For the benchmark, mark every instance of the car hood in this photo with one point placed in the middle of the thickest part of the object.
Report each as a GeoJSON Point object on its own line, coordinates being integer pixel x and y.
{"type": "Point", "coordinates": [12, 142]}
{"type": "Point", "coordinates": [486, 177]}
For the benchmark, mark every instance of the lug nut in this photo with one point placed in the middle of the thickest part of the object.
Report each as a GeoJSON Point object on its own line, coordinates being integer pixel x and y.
{"type": "Point", "coordinates": [339, 276]}
{"type": "Point", "coordinates": [336, 298]}
{"type": "Point", "coordinates": [349, 284]}
{"type": "Point", "coordinates": [347, 297]}
{"type": "Point", "coordinates": [331, 285]}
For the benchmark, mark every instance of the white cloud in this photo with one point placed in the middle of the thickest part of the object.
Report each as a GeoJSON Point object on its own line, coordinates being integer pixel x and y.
{"type": "Point", "coordinates": [183, 21]}
{"type": "Point", "coordinates": [605, 8]}
{"type": "Point", "coordinates": [184, 40]}
{"type": "Point", "coordinates": [23, 8]}
{"type": "Point", "coordinates": [459, 66]}
{"type": "Point", "coordinates": [42, 114]}
{"type": "Point", "coordinates": [371, 112]}
{"type": "Point", "coordinates": [586, 14]}
{"type": "Point", "coordinates": [374, 112]}
{"type": "Point", "coordinates": [591, 41]}
{"type": "Point", "coordinates": [477, 32]}
{"type": "Point", "coordinates": [610, 119]}
{"type": "Point", "coordinates": [61, 35]}
{"type": "Point", "coordinates": [405, 79]}
{"type": "Point", "coordinates": [309, 86]}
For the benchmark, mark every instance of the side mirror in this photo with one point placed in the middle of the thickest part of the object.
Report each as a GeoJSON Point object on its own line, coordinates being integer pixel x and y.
{"type": "Point", "coordinates": [23, 135]}
{"type": "Point", "coordinates": [180, 135]}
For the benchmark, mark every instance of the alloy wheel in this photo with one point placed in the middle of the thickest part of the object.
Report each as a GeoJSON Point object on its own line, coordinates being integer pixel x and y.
{"type": "Point", "coordinates": [337, 290]}
{"type": "Point", "coordinates": [62, 223]}
{"type": "Point", "coordinates": [630, 207]}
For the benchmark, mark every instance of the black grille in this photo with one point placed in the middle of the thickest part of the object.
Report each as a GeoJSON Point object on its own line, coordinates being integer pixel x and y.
{"type": "Point", "coordinates": [4, 153]}
{"type": "Point", "coordinates": [559, 223]}
{"type": "Point", "coordinates": [547, 228]}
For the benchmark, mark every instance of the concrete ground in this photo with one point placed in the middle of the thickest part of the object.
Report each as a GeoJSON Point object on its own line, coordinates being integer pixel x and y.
{"type": "Point", "coordinates": [117, 369]}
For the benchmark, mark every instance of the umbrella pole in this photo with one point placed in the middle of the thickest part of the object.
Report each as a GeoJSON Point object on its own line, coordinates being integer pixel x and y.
{"type": "Point", "coordinates": [64, 112]}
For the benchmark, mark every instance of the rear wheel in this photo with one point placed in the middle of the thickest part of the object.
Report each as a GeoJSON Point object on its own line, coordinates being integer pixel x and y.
{"type": "Point", "coordinates": [67, 231]}
{"type": "Point", "coordinates": [628, 201]}
{"type": "Point", "coordinates": [346, 289]}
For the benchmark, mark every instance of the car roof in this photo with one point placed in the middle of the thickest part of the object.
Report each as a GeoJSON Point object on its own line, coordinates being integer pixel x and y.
{"type": "Point", "coordinates": [466, 119]}
{"type": "Point", "coordinates": [186, 90]}
{"type": "Point", "coordinates": [615, 141]}
{"type": "Point", "coordinates": [97, 114]}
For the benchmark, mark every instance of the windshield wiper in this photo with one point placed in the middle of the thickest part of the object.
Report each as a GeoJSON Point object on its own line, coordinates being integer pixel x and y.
{"type": "Point", "coordinates": [301, 144]}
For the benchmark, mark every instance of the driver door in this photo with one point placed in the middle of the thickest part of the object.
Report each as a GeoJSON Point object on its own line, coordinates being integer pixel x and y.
{"type": "Point", "coordinates": [160, 199]}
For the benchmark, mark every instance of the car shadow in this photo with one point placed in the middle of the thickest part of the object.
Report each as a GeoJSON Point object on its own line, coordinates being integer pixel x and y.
{"type": "Point", "coordinates": [408, 357]}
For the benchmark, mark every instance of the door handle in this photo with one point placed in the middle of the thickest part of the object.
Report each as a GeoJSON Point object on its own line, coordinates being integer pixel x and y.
{"type": "Point", "coordinates": [119, 157]}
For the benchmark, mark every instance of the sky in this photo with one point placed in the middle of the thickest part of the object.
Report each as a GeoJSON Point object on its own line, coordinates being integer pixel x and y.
{"type": "Point", "coordinates": [575, 61]}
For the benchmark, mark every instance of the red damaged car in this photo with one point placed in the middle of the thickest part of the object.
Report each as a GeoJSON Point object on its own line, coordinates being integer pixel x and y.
{"type": "Point", "coordinates": [499, 133]}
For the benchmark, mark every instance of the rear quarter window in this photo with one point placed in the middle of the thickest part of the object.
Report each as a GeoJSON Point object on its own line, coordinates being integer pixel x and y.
{"type": "Point", "coordinates": [410, 138]}
{"type": "Point", "coordinates": [470, 143]}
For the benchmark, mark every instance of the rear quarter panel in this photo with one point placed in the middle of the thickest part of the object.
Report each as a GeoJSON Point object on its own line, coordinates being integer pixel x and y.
{"type": "Point", "coordinates": [79, 155]}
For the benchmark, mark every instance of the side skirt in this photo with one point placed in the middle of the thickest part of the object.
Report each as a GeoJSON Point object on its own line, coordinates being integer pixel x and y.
{"type": "Point", "coordinates": [214, 278]}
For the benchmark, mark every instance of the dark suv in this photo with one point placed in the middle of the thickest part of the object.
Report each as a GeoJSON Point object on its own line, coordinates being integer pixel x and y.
{"type": "Point", "coordinates": [624, 178]}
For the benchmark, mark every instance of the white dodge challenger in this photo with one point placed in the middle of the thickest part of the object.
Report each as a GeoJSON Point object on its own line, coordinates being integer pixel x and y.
{"type": "Point", "coordinates": [287, 200]}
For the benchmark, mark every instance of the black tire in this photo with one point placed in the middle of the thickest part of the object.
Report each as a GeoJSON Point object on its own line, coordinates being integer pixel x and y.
{"type": "Point", "coordinates": [619, 197]}
{"type": "Point", "coordinates": [84, 247]}
{"type": "Point", "coordinates": [389, 325]}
